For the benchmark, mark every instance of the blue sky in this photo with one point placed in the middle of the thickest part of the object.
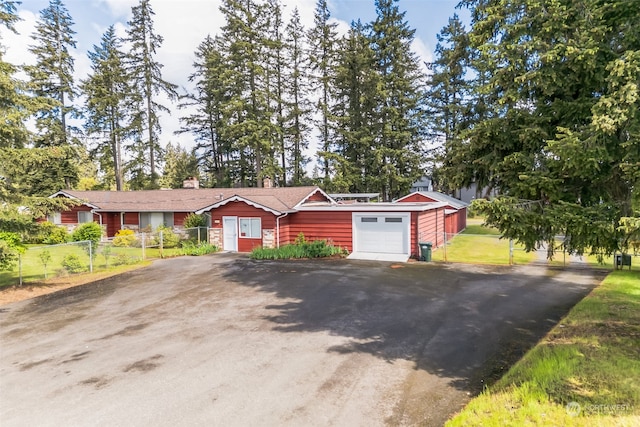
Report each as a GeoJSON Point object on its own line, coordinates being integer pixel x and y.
{"type": "Point", "coordinates": [185, 23]}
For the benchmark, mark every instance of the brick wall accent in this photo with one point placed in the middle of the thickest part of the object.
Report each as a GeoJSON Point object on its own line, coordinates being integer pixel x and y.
{"type": "Point", "coordinates": [215, 237]}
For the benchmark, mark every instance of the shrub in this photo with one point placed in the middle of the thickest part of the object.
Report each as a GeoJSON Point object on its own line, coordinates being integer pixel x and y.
{"type": "Point", "coordinates": [169, 238]}
{"type": "Point", "coordinates": [122, 259]}
{"type": "Point", "coordinates": [91, 231]}
{"type": "Point", "coordinates": [48, 233]}
{"type": "Point", "coordinates": [56, 236]}
{"type": "Point", "coordinates": [72, 264]}
{"type": "Point", "coordinates": [301, 249]}
{"type": "Point", "coordinates": [194, 220]}
{"type": "Point", "coordinates": [190, 248]}
{"type": "Point", "coordinates": [10, 247]}
{"type": "Point", "coordinates": [125, 238]}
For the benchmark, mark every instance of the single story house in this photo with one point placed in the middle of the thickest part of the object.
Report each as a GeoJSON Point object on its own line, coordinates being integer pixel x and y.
{"type": "Point", "coordinates": [243, 218]}
{"type": "Point", "coordinates": [455, 212]}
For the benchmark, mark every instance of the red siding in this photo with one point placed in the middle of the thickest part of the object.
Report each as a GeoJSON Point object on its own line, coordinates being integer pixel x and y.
{"type": "Point", "coordinates": [317, 197]}
{"type": "Point", "coordinates": [431, 226]}
{"type": "Point", "coordinates": [416, 198]}
{"type": "Point", "coordinates": [131, 218]}
{"type": "Point", "coordinates": [178, 218]}
{"type": "Point", "coordinates": [71, 216]}
{"type": "Point", "coordinates": [243, 210]}
{"type": "Point", "coordinates": [318, 225]}
{"type": "Point", "coordinates": [456, 222]}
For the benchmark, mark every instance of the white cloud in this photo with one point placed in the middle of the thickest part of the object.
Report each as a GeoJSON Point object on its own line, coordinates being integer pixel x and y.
{"type": "Point", "coordinates": [423, 52]}
{"type": "Point", "coordinates": [16, 46]}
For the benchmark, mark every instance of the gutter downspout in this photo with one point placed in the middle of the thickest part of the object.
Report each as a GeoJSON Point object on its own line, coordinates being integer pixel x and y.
{"type": "Point", "coordinates": [93, 212]}
{"type": "Point", "coordinates": [278, 228]}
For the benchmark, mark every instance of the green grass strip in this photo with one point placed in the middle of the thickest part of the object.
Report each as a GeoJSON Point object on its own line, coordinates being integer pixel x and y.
{"type": "Point", "coordinates": [585, 372]}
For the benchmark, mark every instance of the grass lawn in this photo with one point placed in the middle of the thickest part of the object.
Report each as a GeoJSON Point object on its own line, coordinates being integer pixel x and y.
{"type": "Point", "coordinates": [480, 245]}
{"type": "Point", "coordinates": [585, 372]}
{"type": "Point", "coordinates": [33, 270]}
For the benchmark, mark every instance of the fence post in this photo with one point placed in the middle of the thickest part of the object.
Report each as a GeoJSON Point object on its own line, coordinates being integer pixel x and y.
{"type": "Point", "coordinates": [198, 235]}
{"type": "Point", "coordinates": [445, 246]}
{"type": "Point", "coordinates": [161, 245]}
{"type": "Point", "coordinates": [510, 252]}
{"type": "Point", "coordinates": [20, 268]}
{"type": "Point", "coordinates": [143, 246]}
{"type": "Point", "coordinates": [90, 256]}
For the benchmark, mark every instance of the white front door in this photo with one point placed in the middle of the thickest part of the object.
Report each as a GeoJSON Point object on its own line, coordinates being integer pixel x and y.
{"type": "Point", "coordinates": [230, 233]}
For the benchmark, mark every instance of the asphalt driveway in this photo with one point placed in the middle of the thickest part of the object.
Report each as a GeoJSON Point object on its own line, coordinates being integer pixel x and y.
{"type": "Point", "coordinates": [222, 340]}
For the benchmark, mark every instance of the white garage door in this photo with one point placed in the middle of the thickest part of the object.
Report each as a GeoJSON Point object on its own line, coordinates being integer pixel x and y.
{"type": "Point", "coordinates": [381, 233]}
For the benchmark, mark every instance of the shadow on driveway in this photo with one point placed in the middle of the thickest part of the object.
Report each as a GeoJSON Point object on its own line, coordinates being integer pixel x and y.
{"type": "Point", "coordinates": [465, 323]}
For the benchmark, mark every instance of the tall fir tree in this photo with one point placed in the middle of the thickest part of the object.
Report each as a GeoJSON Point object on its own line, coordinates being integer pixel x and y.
{"type": "Point", "coordinates": [323, 38]}
{"type": "Point", "coordinates": [145, 76]}
{"type": "Point", "coordinates": [275, 67]}
{"type": "Point", "coordinates": [247, 110]}
{"type": "Point", "coordinates": [449, 103]}
{"type": "Point", "coordinates": [398, 146]}
{"type": "Point", "coordinates": [207, 121]}
{"type": "Point", "coordinates": [106, 92]}
{"type": "Point", "coordinates": [298, 109]}
{"type": "Point", "coordinates": [356, 83]}
{"type": "Point", "coordinates": [52, 75]}
{"type": "Point", "coordinates": [15, 103]}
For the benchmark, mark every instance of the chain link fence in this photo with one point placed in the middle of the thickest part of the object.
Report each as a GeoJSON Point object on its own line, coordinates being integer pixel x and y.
{"type": "Point", "coordinates": [40, 263]}
{"type": "Point", "coordinates": [494, 249]}
{"type": "Point", "coordinates": [44, 262]}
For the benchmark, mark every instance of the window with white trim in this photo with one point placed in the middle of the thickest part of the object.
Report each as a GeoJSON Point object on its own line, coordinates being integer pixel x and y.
{"type": "Point", "coordinates": [55, 218]}
{"type": "Point", "coordinates": [250, 228]}
{"type": "Point", "coordinates": [84, 216]}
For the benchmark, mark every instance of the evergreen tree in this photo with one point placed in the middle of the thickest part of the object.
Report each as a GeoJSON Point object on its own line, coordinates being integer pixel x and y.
{"type": "Point", "coordinates": [8, 15]}
{"type": "Point", "coordinates": [42, 179]}
{"type": "Point", "coordinates": [397, 149]}
{"type": "Point", "coordinates": [15, 105]}
{"type": "Point", "coordinates": [275, 78]}
{"type": "Point", "coordinates": [298, 110]}
{"type": "Point", "coordinates": [106, 93]}
{"type": "Point", "coordinates": [52, 75]}
{"type": "Point", "coordinates": [356, 81]}
{"type": "Point", "coordinates": [178, 166]}
{"type": "Point", "coordinates": [146, 81]}
{"type": "Point", "coordinates": [207, 122]}
{"type": "Point", "coordinates": [559, 137]}
{"type": "Point", "coordinates": [323, 38]}
{"type": "Point", "coordinates": [247, 110]}
{"type": "Point", "coordinates": [448, 97]}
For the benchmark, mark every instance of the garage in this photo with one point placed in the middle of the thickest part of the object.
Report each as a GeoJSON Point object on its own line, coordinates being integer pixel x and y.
{"type": "Point", "coordinates": [381, 232]}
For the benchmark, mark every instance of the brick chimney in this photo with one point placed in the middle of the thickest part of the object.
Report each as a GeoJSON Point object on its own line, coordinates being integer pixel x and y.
{"type": "Point", "coordinates": [266, 183]}
{"type": "Point", "coordinates": [191, 182]}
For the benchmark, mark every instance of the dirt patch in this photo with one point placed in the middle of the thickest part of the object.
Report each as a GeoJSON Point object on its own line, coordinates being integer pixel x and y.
{"type": "Point", "coordinates": [31, 290]}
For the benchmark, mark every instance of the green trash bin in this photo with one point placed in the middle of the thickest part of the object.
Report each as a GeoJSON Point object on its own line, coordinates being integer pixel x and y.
{"type": "Point", "coordinates": [425, 251]}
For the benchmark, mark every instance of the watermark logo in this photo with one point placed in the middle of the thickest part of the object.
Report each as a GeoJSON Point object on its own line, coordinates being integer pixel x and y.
{"type": "Point", "coordinates": [573, 409]}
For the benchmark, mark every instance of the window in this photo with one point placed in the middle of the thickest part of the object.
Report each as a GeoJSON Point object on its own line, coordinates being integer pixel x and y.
{"type": "Point", "coordinates": [393, 220]}
{"type": "Point", "coordinates": [85, 216]}
{"type": "Point", "coordinates": [156, 219]}
{"type": "Point", "coordinates": [55, 218]}
{"type": "Point", "coordinates": [368, 219]}
{"type": "Point", "coordinates": [250, 228]}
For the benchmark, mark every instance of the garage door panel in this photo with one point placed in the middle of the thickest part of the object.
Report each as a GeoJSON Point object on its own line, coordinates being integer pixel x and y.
{"type": "Point", "coordinates": [381, 234]}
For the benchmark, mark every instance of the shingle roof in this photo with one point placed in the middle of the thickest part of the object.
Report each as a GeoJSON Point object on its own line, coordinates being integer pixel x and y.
{"type": "Point", "coordinates": [280, 199]}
